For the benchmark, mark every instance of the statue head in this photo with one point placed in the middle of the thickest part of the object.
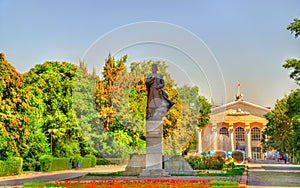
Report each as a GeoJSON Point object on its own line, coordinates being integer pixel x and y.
{"type": "Point", "coordinates": [154, 68]}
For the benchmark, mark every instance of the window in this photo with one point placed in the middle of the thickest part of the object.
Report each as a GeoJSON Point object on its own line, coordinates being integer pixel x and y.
{"type": "Point", "coordinates": [224, 131]}
{"type": "Point", "coordinates": [255, 134]}
{"type": "Point", "coordinates": [239, 134]}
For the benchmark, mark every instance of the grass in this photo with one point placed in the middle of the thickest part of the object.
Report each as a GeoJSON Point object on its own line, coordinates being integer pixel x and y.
{"type": "Point", "coordinates": [113, 174]}
{"type": "Point", "coordinates": [39, 184]}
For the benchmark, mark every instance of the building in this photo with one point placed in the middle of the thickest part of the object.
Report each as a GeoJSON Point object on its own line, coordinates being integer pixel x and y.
{"type": "Point", "coordinates": [235, 125]}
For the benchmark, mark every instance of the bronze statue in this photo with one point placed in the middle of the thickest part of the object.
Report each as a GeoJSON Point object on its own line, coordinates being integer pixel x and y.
{"type": "Point", "coordinates": [158, 99]}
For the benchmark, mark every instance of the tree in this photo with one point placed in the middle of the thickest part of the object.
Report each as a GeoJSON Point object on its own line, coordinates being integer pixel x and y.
{"type": "Point", "coordinates": [194, 113]}
{"type": "Point", "coordinates": [14, 111]}
{"type": "Point", "coordinates": [83, 95]}
{"type": "Point", "coordinates": [294, 63]}
{"type": "Point", "coordinates": [104, 89]}
{"type": "Point", "coordinates": [279, 128]}
{"type": "Point", "coordinates": [293, 103]}
{"type": "Point", "coordinates": [54, 82]}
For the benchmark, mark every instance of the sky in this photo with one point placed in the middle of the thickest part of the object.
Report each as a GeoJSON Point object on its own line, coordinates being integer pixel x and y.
{"type": "Point", "coordinates": [210, 44]}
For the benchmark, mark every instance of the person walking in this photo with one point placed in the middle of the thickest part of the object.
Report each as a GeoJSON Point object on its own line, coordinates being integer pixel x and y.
{"type": "Point", "coordinates": [284, 158]}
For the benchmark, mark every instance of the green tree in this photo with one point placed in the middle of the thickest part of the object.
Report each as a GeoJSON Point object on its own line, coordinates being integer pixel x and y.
{"type": "Point", "coordinates": [294, 63]}
{"type": "Point", "coordinates": [194, 113]}
{"type": "Point", "coordinates": [293, 103]}
{"type": "Point", "coordinates": [83, 93]}
{"type": "Point", "coordinates": [279, 128]}
{"type": "Point", "coordinates": [54, 80]}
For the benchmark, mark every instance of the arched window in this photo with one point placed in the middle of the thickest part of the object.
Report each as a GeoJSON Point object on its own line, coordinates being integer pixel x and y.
{"type": "Point", "coordinates": [240, 134]}
{"type": "Point", "coordinates": [255, 134]}
{"type": "Point", "coordinates": [224, 131]}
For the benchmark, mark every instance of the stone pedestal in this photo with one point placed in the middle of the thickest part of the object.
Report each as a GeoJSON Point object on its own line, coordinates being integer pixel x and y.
{"type": "Point", "coordinates": [154, 146]}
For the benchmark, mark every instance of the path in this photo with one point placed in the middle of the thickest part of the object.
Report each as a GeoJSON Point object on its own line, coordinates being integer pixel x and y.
{"type": "Point", "coordinates": [272, 173]}
{"type": "Point", "coordinates": [55, 176]}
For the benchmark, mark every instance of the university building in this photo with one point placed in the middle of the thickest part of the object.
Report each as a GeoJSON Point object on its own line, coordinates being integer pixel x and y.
{"type": "Point", "coordinates": [235, 125]}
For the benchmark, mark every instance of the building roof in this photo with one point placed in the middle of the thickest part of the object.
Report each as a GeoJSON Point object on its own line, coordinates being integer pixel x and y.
{"type": "Point", "coordinates": [240, 104]}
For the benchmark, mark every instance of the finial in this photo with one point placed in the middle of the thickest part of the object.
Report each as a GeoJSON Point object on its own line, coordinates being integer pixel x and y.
{"type": "Point", "coordinates": [239, 95]}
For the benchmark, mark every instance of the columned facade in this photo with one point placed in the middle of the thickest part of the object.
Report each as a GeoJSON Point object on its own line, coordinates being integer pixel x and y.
{"type": "Point", "coordinates": [236, 125]}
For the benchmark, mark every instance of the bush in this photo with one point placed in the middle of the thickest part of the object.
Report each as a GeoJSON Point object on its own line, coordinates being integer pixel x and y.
{"type": "Point", "coordinates": [85, 162]}
{"type": "Point", "coordinates": [238, 156]}
{"type": "Point", "coordinates": [206, 162]}
{"type": "Point", "coordinates": [46, 163]}
{"type": "Point", "coordinates": [13, 166]}
{"type": "Point", "coordinates": [93, 160]}
{"type": "Point", "coordinates": [59, 164]}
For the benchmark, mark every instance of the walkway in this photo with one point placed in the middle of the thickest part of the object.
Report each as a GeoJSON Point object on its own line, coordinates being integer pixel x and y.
{"type": "Point", "coordinates": [272, 173]}
{"type": "Point", "coordinates": [55, 176]}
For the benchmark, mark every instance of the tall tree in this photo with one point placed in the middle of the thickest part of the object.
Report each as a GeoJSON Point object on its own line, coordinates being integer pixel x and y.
{"type": "Point", "coordinates": [83, 95]}
{"type": "Point", "coordinates": [279, 128]}
{"type": "Point", "coordinates": [104, 89]}
{"type": "Point", "coordinates": [54, 80]}
{"type": "Point", "coordinates": [293, 103]}
{"type": "Point", "coordinates": [194, 113]}
{"type": "Point", "coordinates": [294, 63]}
{"type": "Point", "coordinates": [14, 111]}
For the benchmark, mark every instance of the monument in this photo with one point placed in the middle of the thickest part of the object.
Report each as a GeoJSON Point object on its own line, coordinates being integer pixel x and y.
{"type": "Point", "coordinates": [158, 105]}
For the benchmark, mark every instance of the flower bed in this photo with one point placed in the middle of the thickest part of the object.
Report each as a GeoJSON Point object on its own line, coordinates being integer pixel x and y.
{"type": "Point", "coordinates": [145, 183]}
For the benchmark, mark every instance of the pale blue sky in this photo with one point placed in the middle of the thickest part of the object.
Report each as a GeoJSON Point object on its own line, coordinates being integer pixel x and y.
{"type": "Point", "coordinates": [248, 38]}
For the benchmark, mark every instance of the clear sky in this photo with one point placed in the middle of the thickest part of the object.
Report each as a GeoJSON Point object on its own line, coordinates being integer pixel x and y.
{"type": "Point", "coordinates": [246, 40]}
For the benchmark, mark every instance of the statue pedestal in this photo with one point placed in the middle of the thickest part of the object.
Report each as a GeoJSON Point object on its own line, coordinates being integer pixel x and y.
{"type": "Point", "coordinates": [154, 146]}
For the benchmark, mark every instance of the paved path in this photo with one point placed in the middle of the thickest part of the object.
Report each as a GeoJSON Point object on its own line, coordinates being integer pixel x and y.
{"type": "Point", "coordinates": [272, 173]}
{"type": "Point", "coordinates": [55, 176]}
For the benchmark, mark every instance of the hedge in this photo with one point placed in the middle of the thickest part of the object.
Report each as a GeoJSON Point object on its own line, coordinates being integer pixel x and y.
{"type": "Point", "coordinates": [60, 164]}
{"type": "Point", "coordinates": [13, 166]}
{"type": "Point", "coordinates": [85, 162]}
{"type": "Point", "coordinates": [46, 163]}
{"type": "Point", "coordinates": [93, 160]}
{"type": "Point", "coordinates": [49, 163]}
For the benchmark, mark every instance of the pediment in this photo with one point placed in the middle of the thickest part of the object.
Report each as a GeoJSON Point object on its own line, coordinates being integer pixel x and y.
{"type": "Point", "coordinates": [239, 111]}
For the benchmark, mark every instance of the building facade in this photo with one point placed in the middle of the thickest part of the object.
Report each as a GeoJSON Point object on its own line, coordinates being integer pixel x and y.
{"type": "Point", "coordinates": [236, 125]}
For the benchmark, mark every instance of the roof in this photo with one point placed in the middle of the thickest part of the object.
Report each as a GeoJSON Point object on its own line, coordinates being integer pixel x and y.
{"type": "Point", "coordinates": [240, 103]}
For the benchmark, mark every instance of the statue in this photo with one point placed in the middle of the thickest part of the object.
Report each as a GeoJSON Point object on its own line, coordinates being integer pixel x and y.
{"type": "Point", "coordinates": [158, 102]}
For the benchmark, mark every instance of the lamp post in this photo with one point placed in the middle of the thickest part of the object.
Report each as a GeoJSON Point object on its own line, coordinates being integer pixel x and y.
{"type": "Point", "coordinates": [293, 161]}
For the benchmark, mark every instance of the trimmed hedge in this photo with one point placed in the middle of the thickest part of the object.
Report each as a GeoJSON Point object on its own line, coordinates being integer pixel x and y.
{"type": "Point", "coordinates": [46, 163]}
{"type": "Point", "coordinates": [13, 166]}
{"type": "Point", "coordinates": [60, 164]}
{"type": "Point", "coordinates": [49, 163]}
{"type": "Point", "coordinates": [93, 159]}
{"type": "Point", "coordinates": [85, 162]}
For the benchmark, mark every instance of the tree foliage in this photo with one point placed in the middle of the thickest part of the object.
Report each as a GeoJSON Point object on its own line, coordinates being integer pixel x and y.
{"type": "Point", "coordinates": [14, 110]}
{"type": "Point", "coordinates": [194, 113]}
{"type": "Point", "coordinates": [294, 27]}
{"type": "Point", "coordinates": [293, 63]}
{"type": "Point", "coordinates": [293, 103]}
{"type": "Point", "coordinates": [279, 128]}
{"type": "Point", "coordinates": [54, 80]}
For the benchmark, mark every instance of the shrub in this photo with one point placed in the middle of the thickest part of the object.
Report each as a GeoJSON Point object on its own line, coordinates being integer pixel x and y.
{"type": "Point", "coordinates": [46, 163]}
{"type": "Point", "coordinates": [59, 164]}
{"type": "Point", "coordinates": [13, 166]}
{"type": "Point", "coordinates": [206, 162]}
{"type": "Point", "coordinates": [85, 162]}
{"type": "Point", "coordinates": [93, 160]}
{"type": "Point", "coordinates": [238, 156]}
